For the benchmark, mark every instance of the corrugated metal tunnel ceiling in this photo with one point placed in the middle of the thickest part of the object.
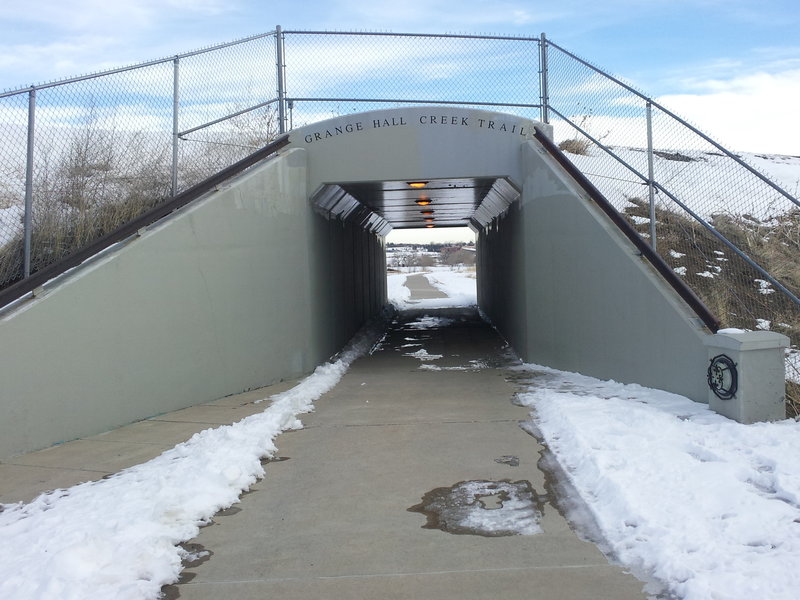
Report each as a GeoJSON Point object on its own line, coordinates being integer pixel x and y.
{"type": "Point", "coordinates": [385, 205]}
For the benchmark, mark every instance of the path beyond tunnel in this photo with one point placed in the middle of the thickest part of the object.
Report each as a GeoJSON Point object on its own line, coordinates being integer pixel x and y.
{"type": "Point", "coordinates": [430, 408]}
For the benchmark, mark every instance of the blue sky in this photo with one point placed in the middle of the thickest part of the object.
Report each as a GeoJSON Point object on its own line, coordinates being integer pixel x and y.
{"type": "Point", "coordinates": [730, 66]}
{"type": "Point", "coordinates": [695, 55]}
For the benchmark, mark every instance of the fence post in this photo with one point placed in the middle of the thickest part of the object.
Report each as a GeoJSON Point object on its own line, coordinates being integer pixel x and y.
{"type": "Point", "coordinates": [650, 175]}
{"type": "Point", "coordinates": [175, 108]}
{"type": "Point", "coordinates": [281, 82]}
{"type": "Point", "coordinates": [544, 97]}
{"type": "Point", "coordinates": [28, 218]}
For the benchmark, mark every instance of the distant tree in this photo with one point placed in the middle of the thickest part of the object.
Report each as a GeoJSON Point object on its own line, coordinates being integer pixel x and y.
{"type": "Point", "coordinates": [454, 256]}
{"type": "Point", "coordinates": [425, 260]}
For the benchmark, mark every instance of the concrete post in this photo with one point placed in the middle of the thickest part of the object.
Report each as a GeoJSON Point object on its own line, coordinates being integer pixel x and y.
{"type": "Point", "coordinates": [746, 374]}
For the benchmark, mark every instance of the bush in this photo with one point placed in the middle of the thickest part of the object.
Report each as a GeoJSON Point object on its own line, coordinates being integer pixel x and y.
{"type": "Point", "coordinates": [575, 146]}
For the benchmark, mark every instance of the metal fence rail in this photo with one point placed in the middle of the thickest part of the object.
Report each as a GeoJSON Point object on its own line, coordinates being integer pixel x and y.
{"type": "Point", "coordinates": [723, 226]}
{"type": "Point", "coordinates": [330, 74]}
{"type": "Point", "coordinates": [82, 156]}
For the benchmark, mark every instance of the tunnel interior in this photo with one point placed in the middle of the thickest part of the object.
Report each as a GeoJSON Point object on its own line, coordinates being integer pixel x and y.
{"type": "Point", "coordinates": [554, 275]}
{"type": "Point", "coordinates": [419, 203]}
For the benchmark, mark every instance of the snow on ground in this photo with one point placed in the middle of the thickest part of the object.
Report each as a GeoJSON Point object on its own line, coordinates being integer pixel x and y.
{"type": "Point", "coordinates": [460, 287]}
{"type": "Point", "coordinates": [117, 538]}
{"type": "Point", "coordinates": [707, 506]}
{"type": "Point", "coordinates": [708, 172]}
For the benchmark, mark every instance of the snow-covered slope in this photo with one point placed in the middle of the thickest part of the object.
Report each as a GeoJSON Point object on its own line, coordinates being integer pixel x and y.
{"type": "Point", "coordinates": [707, 182]}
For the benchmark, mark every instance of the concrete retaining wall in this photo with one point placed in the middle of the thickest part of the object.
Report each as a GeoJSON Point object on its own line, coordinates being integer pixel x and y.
{"type": "Point", "coordinates": [569, 291]}
{"type": "Point", "coordinates": [242, 288]}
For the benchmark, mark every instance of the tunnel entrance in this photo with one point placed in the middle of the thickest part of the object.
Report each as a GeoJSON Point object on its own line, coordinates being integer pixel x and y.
{"type": "Point", "coordinates": [267, 274]}
{"type": "Point", "coordinates": [560, 274]}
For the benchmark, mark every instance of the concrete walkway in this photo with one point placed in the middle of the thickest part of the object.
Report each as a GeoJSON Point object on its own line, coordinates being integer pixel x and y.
{"type": "Point", "coordinates": [24, 477]}
{"type": "Point", "coordinates": [331, 518]}
{"type": "Point", "coordinates": [421, 288]}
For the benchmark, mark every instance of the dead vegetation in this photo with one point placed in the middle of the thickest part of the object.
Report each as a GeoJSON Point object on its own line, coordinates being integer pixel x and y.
{"type": "Point", "coordinates": [101, 179]}
{"type": "Point", "coordinates": [732, 289]}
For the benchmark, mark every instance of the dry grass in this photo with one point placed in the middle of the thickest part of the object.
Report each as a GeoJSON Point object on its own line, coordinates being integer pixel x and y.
{"type": "Point", "coordinates": [727, 284]}
{"type": "Point", "coordinates": [104, 179]}
{"type": "Point", "coordinates": [575, 146]}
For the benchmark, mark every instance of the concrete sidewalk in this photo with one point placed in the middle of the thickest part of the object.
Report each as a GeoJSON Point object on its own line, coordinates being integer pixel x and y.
{"type": "Point", "coordinates": [24, 477]}
{"type": "Point", "coordinates": [331, 518]}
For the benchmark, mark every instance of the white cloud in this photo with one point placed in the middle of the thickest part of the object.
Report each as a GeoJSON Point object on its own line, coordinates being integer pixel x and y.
{"type": "Point", "coordinates": [442, 15]}
{"type": "Point", "coordinates": [100, 15]}
{"type": "Point", "coordinates": [756, 112]}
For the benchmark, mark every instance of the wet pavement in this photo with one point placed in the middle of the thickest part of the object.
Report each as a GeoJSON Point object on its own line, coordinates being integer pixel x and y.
{"type": "Point", "coordinates": [412, 479]}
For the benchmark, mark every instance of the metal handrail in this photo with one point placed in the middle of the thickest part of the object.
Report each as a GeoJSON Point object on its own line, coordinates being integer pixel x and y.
{"type": "Point", "coordinates": [686, 124]}
{"type": "Point", "coordinates": [39, 278]}
{"type": "Point", "coordinates": [711, 229]}
{"type": "Point", "coordinates": [675, 282]}
{"type": "Point", "coordinates": [239, 113]}
{"type": "Point", "coordinates": [408, 101]}
{"type": "Point", "coordinates": [465, 36]}
{"type": "Point", "coordinates": [158, 61]}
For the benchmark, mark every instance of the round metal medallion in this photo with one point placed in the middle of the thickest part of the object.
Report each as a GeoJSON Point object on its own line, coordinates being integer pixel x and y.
{"type": "Point", "coordinates": [723, 378]}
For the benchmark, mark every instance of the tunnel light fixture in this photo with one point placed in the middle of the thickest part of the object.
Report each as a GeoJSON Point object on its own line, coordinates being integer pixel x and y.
{"type": "Point", "coordinates": [429, 220]}
{"type": "Point", "coordinates": [423, 200]}
{"type": "Point", "coordinates": [427, 213]}
{"type": "Point", "coordinates": [417, 185]}
{"type": "Point", "coordinates": [430, 225]}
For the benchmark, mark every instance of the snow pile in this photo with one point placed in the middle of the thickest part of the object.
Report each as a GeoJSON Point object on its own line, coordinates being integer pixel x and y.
{"type": "Point", "coordinates": [397, 292]}
{"type": "Point", "coordinates": [423, 355]}
{"type": "Point", "coordinates": [117, 538]}
{"type": "Point", "coordinates": [705, 505]}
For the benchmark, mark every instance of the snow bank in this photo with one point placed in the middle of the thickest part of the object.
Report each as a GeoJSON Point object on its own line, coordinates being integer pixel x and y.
{"type": "Point", "coordinates": [117, 538]}
{"type": "Point", "coordinates": [708, 506]}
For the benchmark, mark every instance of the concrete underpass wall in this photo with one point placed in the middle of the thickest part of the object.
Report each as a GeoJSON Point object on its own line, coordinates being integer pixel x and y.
{"type": "Point", "coordinates": [348, 282]}
{"type": "Point", "coordinates": [569, 291]}
{"type": "Point", "coordinates": [240, 289]}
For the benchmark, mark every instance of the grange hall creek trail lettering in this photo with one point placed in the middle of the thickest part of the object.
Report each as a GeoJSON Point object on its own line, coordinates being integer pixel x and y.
{"type": "Point", "coordinates": [523, 129]}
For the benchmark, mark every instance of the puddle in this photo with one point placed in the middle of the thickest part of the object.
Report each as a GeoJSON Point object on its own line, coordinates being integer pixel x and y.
{"type": "Point", "coordinates": [231, 510]}
{"type": "Point", "coordinates": [192, 555]}
{"type": "Point", "coordinates": [272, 459]}
{"type": "Point", "coordinates": [486, 508]}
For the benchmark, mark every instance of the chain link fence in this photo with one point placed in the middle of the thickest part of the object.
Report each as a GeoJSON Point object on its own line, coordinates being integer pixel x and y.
{"type": "Point", "coordinates": [106, 148]}
{"type": "Point", "coordinates": [329, 75]}
{"type": "Point", "coordinates": [732, 234]}
{"type": "Point", "coordinates": [83, 156]}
